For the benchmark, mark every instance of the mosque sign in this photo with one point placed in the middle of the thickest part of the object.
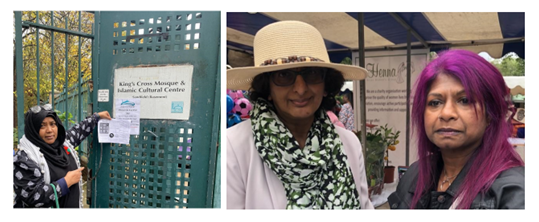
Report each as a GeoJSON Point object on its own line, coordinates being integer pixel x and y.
{"type": "Point", "coordinates": [164, 92]}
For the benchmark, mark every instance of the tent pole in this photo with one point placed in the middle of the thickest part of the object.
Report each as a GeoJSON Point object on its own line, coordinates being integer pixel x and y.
{"type": "Point", "coordinates": [361, 51]}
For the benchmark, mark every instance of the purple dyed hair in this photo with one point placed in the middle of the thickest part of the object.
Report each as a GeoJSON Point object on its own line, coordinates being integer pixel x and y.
{"type": "Point", "coordinates": [485, 85]}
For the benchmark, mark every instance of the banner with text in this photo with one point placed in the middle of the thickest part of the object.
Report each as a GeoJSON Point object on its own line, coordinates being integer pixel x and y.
{"type": "Point", "coordinates": [164, 92]}
{"type": "Point", "coordinates": [385, 90]}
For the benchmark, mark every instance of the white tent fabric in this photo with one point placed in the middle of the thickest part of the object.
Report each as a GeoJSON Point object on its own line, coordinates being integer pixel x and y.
{"type": "Point", "coordinates": [514, 81]}
{"type": "Point", "coordinates": [492, 32]}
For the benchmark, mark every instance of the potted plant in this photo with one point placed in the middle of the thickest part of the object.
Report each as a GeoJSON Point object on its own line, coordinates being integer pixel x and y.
{"type": "Point", "coordinates": [389, 139]}
{"type": "Point", "coordinates": [374, 159]}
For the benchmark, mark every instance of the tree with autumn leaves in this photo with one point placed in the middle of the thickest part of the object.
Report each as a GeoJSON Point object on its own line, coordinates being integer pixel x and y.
{"type": "Point", "coordinates": [53, 53]}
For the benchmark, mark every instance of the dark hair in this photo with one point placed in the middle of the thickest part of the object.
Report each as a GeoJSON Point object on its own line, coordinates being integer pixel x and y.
{"type": "Point", "coordinates": [333, 82]}
{"type": "Point", "coordinates": [350, 97]}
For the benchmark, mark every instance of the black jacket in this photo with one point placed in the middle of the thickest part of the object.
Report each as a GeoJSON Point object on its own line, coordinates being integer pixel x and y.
{"type": "Point", "coordinates": [507, 191]}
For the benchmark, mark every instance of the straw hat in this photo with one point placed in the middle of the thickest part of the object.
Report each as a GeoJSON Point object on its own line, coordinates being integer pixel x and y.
{"type": "Point", "coordinates": [287, 45]}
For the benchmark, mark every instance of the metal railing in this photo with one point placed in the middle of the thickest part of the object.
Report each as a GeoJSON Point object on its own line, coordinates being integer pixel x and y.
{"type": "Point", "coordinates": [70, 99]}
{"type": "Point", "coordinates": [40, 31]}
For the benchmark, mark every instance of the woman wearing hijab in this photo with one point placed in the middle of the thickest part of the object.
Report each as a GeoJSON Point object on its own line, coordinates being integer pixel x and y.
{"type": "Point", "coordinates": [46, 168]}
{"type": "Point", "coordinates": [462, 123]}
{"type": "Point", "coordinates": [289, 155]}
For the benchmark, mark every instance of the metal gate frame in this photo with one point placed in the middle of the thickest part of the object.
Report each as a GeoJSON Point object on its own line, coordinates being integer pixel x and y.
{"type": "Point", "coordinates": [19, 25]}
{"type": "Point", "coordinates": [120, 193]}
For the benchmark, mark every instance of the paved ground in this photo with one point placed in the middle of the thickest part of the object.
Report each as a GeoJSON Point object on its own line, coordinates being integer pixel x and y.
{"type": "Point", "coordinates": [84, 205]}
{"type": "Point", "coordinates": [383, 206]}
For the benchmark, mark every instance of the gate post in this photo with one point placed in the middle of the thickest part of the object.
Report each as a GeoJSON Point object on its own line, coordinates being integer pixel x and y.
{"type": "Point", "coordinates": [20, 82]}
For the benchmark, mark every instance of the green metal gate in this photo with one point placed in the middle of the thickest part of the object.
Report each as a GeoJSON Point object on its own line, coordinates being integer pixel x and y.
{"type": "Point", "coordinates": [52, 47]}
{"type": "Point", "coordinates": [171, 163]}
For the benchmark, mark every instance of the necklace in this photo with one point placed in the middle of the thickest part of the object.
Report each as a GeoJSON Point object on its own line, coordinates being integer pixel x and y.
{"type": "Point", "coordinates": [446, 180]}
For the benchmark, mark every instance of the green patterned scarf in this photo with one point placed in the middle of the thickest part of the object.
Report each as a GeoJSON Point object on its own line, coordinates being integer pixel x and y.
{"type": "Point", "coordinates": [315, 177]}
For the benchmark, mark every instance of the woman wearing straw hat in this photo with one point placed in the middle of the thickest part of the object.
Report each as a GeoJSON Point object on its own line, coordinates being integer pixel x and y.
{"type": "Point", "coordinates": [289, 154]}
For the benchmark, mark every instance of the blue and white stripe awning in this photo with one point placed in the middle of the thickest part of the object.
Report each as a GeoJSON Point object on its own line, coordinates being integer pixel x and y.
{"type": "Point", "coordinates": [494, 32]}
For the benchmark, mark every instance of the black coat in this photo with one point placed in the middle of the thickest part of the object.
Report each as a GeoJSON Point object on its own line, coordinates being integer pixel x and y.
{"type": "Point", "coordinates": [507, 191]}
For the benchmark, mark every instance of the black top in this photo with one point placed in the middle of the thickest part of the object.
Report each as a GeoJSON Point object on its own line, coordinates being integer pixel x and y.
{"type": "Point", "coordinates": [506, 192]}
{"type": "Point", "coordinates": [71, 200]}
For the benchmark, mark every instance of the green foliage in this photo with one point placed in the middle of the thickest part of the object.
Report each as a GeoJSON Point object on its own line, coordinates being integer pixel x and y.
{"type": "Point", "coordinates": [15, 138]}
{"type": "Point", "coordinates": [433, 55]}
{"type": "Point", "coordinates": [339, 98]}
{"type": "Point", "coordinates": [374, 157]}
{"type": "Point", "coordinates": [377, 149]}
{"type": "Point", "coordinates": [510, 66]}
{"type": "Point", "coordinates": [48, 68]}
{"type": "Point", "coordinates": [389, 139]}
{"type": "Point", "coordinates": [65, 116]}
{"type": "Point", "coordinates": [347, 61]}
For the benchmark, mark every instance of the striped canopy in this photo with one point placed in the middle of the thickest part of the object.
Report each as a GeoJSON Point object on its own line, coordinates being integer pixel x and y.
{"type": "Point", "coordinates": [496, 33]}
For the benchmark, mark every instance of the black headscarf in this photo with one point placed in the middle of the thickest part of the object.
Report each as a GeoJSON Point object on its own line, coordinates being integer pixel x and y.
{"type": "Point", "coordinates": [54, 153]}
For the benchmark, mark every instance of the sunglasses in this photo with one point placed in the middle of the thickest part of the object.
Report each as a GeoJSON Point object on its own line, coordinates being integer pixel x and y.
{"type": "Point", "coordinates": [38, 108]}
{"type": "Point", "coordinates": [287, 77]}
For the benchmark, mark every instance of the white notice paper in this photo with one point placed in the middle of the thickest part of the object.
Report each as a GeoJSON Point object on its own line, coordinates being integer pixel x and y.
{"type": "Point", "coordinates": [113, 131]}
{"type": "Point", "coordinates": [103, 95]}
{"type": "Point", "coordinates": [165, 91]}
{"type": "Point", "coordinates": [129, 109]}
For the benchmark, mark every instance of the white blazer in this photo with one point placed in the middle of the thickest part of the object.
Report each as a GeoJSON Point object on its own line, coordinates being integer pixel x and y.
{"type": "Point", "coordinates": [251, 184]}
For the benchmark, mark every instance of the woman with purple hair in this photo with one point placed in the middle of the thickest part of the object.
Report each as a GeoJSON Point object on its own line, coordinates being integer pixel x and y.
{"type": "Point", "coordinates": [460, 116]}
